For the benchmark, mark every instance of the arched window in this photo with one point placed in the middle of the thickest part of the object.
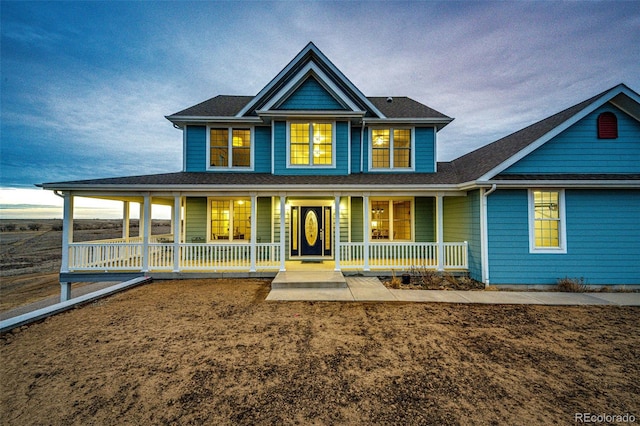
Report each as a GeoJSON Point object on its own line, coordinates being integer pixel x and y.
{"type": "Point", "coordinates": [607, 126]}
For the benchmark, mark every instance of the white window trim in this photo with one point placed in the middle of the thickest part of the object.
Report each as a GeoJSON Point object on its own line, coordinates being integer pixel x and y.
{"type": "Point", "coordinates": [230, 166]}
{"type": "Point", "coordinates": [390, 200]}
{"type": "Point", "coordinates": [391, 168]}
{"type": "Point", "coordinates": [562, 232]}
{"type": "Point", "coordinates": [334, 160]}
{"type": "Point", "coordinates": [229, 200]}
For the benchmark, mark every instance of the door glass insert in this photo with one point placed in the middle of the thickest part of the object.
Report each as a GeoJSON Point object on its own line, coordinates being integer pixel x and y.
{"type": "Point", "coordinates": [311, 227]}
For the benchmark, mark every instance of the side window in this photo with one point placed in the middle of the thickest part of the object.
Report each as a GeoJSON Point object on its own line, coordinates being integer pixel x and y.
{"type": "Point", "coordinates": [546, 221]}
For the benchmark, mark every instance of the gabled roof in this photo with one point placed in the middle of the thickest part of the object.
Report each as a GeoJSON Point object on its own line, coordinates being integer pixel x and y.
{"type": "Point", "coordinates": [219, 106]}
{"type": "Point", "coordinates": [309, 63]}
{"type": "Point", "coordinates": [488, 161]}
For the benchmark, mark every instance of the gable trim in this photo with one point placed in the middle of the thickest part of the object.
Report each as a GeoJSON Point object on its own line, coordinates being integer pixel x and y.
{"type": "Point", "coordinates": [311, 70]}
{"type": "Point", "coordinates": [295, 62]}
{"type": "Point", "coordinates": [559, 129]}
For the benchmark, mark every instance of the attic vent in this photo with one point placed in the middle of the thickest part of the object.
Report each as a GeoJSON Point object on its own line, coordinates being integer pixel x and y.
{"type": "Point", "coordinates": [607, 126]}
{"type": "Point", "coordinates": [389, 99]}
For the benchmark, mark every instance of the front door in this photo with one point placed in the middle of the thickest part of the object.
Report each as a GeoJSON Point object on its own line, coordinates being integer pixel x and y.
{"type": "Point", "coordinates": [311, 231]}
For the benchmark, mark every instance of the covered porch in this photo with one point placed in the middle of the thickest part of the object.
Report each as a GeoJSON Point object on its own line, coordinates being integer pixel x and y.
{"type": "Point", "coordinates": [352, 230]}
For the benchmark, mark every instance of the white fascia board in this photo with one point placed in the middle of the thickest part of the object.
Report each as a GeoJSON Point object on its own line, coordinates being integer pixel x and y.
{"type": "Point", "coordinates": [310, 113]}
{"type": "Point", "coordinates": [198, 119]}
{"type": "Point", "coordinates": [118, 190]}
{"type": "Point", "coordinates": [438, 123]}
{"type": "Point", "coordinates": [553, 133]}
{"type": "Point", "coordinates": [578, 184]}
{"type": "Point", "coordinates": [567, 183]}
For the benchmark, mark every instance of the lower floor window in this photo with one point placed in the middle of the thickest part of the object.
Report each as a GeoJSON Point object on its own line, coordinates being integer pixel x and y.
{"type": "Point", "coordinates": [391, 220]}
{"type": "Point", "coordinates": [230, 220]}
{"type": "Point", "coordinates": [546, 220]}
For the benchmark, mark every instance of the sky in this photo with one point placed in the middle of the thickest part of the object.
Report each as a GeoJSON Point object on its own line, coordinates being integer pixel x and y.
{"type": "Point", "coordinates": [85, 86]}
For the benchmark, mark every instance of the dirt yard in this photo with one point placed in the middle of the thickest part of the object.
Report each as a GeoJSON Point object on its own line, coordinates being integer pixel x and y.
{"type": "Point", "coordinates": [30, 252]}
{"type": "Point", "coordinates": [214, 352]}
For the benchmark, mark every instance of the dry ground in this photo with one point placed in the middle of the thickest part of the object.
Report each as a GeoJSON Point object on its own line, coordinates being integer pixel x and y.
{"type": "Point", "coordinates": [214, 352]}
{"type": "Point", "coordinates": [30, 259]}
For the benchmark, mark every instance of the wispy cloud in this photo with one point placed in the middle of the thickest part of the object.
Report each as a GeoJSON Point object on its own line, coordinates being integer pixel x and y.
{"type": "Point", "coordinates": [86, 86]}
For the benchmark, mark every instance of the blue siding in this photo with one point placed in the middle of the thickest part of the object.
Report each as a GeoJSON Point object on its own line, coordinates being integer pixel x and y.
{"type": "Point", "coordinates": [603, 239]}
{"type": "Point", "coordinates": [462, 223]}
{"type": "Point", "coordinates": [311, 96]}
{"type": "Point", "coordinates": [196, 150]}
{"type": "Point", "coordinates": [355, 149]}
{"type": "Point", "coordinates": [262, 155]}
{"type": "Point", "coordinates": [425, 149]}
{"type": "Point", "coordinates": [578, 149]}
{"type": "Point", "coordinates": [280, 146]}
{"type": "Point", "coordinates": [341, 160]}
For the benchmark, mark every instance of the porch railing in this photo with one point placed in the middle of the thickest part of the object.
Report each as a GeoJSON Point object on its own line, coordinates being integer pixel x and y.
{"type": "Point", "coordinates": [404, 255]}
{"type": "Point", "coordinates": [128, 256]}
{"type": "Point", "coordinates": [120, 256]}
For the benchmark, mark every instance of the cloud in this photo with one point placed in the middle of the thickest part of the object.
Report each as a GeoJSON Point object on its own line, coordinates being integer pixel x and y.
{"type": "Point", "coordinates": [86, 86]}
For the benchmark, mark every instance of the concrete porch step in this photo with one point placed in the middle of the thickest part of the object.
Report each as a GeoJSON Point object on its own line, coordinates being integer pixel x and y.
{"type": "Point", "coordinates": [309, 279]}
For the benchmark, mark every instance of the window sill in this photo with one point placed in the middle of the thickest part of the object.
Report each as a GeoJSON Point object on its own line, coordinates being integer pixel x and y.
{"type": "Point", "coordinates": [560, 250]}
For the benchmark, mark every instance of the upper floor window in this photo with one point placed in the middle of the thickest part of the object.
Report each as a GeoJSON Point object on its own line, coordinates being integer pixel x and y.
{"type": "Point", "coordinates": [607, 126]}
{"type": "Point", "coordinates": [391, 148]}
{"type": "Point", "coordinates": [311, 144]}
{"type": "Point", "coordinates": [546, 222]}
{"type": "Point", "coordinates": [229, 147]}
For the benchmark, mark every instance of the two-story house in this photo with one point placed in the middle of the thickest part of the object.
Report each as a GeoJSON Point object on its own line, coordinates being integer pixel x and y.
{"type": "Point", "coordinates": [312, 170]}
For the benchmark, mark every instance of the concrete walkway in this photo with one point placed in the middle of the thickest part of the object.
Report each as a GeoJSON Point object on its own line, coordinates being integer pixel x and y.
{"type": "Point", "coordinates": [370, 289]}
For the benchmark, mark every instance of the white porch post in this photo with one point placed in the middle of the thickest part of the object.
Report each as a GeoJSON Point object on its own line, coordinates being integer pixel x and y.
{"type": "Point", "coordinates": [283, 247]}
{"type": "Point", "coordinates": [176, 219]}
{"type": "Point", "coordinates": [254, 231]}
{"type": "Point", "coordinates": [337, 237]}
{"type": "Point", "coordinates": [145, 218]}
{"type": "Point", "coordinates": [125, 220]}
{"type": "Point", "coordinates": [440, 231]}
{"type": "Point", "coordinates": [366, 233]}
{"type": "Point", "coordinates": [67, 237]}
{"type": "Point", "coordinates": [67, 230]}
{"type": "Point", "coordinates": [141, 221]}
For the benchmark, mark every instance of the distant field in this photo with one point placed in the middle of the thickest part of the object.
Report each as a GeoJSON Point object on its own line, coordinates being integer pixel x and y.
{"type": "Point", "coordinates": [30, 253]}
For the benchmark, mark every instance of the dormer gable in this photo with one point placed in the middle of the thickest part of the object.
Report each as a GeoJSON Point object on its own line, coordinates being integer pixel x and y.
{"type": "Point", "coordinates": [310, 72]}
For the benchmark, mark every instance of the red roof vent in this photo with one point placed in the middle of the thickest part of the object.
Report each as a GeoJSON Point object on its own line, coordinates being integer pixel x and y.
{"type": "Point", "coordinates": [607, 126]}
